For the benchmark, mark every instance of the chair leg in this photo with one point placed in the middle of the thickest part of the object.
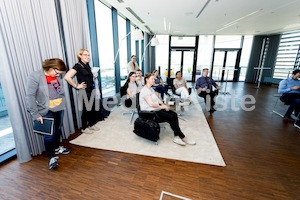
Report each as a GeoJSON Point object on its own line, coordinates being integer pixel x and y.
{"type": "Point", "coordinates": [133, 112]}
{"type": "Point", "coordinates": [276, 103]}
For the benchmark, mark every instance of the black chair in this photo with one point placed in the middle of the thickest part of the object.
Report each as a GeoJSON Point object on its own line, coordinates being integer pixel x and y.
{"type": "Point", "coordinates": [127, 102]}
{"type": "Point", "coordinates": [150, 115]}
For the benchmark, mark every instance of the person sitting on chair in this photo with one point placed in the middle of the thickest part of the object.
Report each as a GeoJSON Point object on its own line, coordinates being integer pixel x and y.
{"type": "Point", "coordinates": [139, 79]}
{"type": "Point", "coordinates": [290, 90]}
{"type": "Point", "coordinates": [180, 87]}
{"type": "Point", "coordinates": [130, 88]}
{"type": "Point", "coordinates": [159, 85]}
{"type": "Point", "coordinates": [204, 87]}
{"type": "Point", "coordinates": [149, 101]}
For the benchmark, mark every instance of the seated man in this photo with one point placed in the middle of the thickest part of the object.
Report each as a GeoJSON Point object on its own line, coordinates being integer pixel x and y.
{"type": "Point", "coordinates": [139, 79]}
{"type": "Point", "coordinates": [204, 87]}
{"type": "Point", "coordinates": [290, 90]}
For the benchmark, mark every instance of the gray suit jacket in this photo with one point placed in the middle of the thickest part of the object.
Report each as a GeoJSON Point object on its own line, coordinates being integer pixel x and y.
{"type": "Point", "coordinates": [37, 94]}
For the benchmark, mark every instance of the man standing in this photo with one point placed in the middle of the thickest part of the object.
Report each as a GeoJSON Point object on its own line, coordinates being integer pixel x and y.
{"type": "Point", "coordinates": [132, 66]}
{"type": "Point", "coordinates": [290, 90]}
{"type": "Point", "coordinates": [204, 87]}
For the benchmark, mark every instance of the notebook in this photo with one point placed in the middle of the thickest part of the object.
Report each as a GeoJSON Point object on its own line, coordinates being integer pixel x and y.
{"type": "Point", "coordinates": [44, 129]}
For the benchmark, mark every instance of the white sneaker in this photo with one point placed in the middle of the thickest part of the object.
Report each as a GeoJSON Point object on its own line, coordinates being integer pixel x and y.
{"type": "Point", "coordinates": [53, 162]}
{"type": "Point", "coordinates": [94, 128]}
{"type": "Point", "coordinates": [187, 141]}
{"type": "Point", "coordinates": [177, 140]}
{"type": "Point", "coordinates": [87, 131]}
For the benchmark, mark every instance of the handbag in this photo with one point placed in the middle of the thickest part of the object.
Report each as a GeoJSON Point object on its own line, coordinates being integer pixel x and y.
{"type": "Point", "coordinates": [44, 129]}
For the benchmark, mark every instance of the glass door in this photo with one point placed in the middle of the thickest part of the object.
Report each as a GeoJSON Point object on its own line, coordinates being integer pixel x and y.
{"type": "Point", "coordinates": [182, 60]}
{"type": "Point", "coordinates": [187, 67]}
{"type": "Point", "coordinates": [225, 64]}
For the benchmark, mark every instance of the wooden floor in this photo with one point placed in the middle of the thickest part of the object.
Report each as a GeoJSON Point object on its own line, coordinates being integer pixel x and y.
{"type": "Point", "coordinates": [262, 154]}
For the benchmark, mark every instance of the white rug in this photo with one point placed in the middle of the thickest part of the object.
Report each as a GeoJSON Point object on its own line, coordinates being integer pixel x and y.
{"type": "Point", "coordinates": [116, 134]}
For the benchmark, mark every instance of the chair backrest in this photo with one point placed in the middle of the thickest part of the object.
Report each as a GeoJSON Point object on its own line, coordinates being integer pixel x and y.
{"type": "Point", "coordinates": [123, 91]}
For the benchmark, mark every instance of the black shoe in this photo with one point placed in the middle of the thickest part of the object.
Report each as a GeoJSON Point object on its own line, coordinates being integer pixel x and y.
{"type": "Point", "coordinates": [212, 110]}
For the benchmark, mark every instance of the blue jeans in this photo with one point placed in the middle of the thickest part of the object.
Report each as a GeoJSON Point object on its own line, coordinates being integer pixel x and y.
{"type": "Point", "coordinates": [160, 89]}
{"type": "Point", "coordinates": [52, 141]}
{"type": "Point", "coordinates": [292, 99]}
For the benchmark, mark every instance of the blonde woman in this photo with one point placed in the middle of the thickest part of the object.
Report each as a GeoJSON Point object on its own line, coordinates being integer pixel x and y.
{"type": "Point", "coordinates": [85, 79]}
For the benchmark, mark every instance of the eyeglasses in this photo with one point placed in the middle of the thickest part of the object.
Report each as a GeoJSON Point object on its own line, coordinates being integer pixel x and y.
{"type": "Point", "coordinates": [57, 73]}
{"type": "Point", "coordinates": [86, 54]}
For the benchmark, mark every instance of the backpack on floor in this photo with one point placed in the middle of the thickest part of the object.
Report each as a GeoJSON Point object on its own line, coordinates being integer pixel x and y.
{"type": "Point", "coordinates": [147, 129]}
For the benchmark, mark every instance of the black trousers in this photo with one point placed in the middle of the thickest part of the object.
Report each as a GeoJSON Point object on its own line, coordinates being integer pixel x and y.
{"type": "Point", "coordinates": [209, 96]}
{"type": "Point", "coordinates": [90, 116]}
{"type": "Point", "coordinates": [172, 118]}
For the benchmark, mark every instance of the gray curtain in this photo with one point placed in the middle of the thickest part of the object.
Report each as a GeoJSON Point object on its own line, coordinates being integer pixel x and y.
{"type": "Point", "coordinates": [29, 33]}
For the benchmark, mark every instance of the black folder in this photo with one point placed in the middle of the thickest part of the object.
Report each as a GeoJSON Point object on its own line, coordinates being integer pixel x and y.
{"type": "Point", "coordinates": [44, 129]}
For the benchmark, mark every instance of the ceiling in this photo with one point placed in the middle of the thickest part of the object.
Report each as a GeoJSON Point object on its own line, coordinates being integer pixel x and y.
{"type": "Point", "coordinates": [207, 17]}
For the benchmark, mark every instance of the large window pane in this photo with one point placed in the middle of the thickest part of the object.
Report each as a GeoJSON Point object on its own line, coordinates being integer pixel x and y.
{"type": "Point", "coordinates": [133, 52]}
{"type": "Point", "coordinates": [162, 53]}
{"type": "Point", "coordinates": [247, 45]}
{"type": "Point", "coordinates": [205, 49]}
{"type": "Point", "coordinates": [7, 142]}
{"type": "Point", "coordinates": [228, 41]}
{"type": "Point", "coordinates": [122, 47]}
{"type": "Point", "coordinates": [105, 46]}
{"type": "Point", "coordinates": [183, 41]}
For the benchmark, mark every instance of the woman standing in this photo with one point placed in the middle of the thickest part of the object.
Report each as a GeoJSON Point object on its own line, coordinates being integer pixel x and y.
{"type": "Point", "coordinates": [150, 102]}
{"type": "Point", "coordinates": [85, 86]}
{"type": "Point", "coordinates": [45, 98]}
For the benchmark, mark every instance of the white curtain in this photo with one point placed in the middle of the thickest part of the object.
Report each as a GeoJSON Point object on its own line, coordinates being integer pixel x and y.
{"type": "Point", "coordinates": [29, 33]}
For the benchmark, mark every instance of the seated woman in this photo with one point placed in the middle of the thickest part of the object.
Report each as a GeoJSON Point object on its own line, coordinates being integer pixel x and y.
{"type": "Point", "coordinates": [159, 85]}
{"type": "Point", "coordinates": [131, 89]}
{"type": "Point", "coordinates": [150, 102]}
{"type": "Point", "coordinates": [180, 87]}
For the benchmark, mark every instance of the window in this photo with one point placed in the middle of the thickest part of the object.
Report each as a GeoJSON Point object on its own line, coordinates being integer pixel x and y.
{"type": "Point", "coordinates": [105, 46]}
{"type": "Point", "coordinates": [122, 47]}
{"type": "Point", "coordinates": [183, 41]}
{"type": "Point", "coordinates": [162, 53]}
{"type": "Point", "coordinates": [230, 41]}
{"type": "Point", "coordinates": [7, 142]}
{"type": "Point", "coordinates": [133, 52]}
{"type": "Point", "coordinates": [205, 49]}
{"type": "Point", "coordinates": [287, 53]}
{"type": "Point", "coordinates": [247, 45]}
